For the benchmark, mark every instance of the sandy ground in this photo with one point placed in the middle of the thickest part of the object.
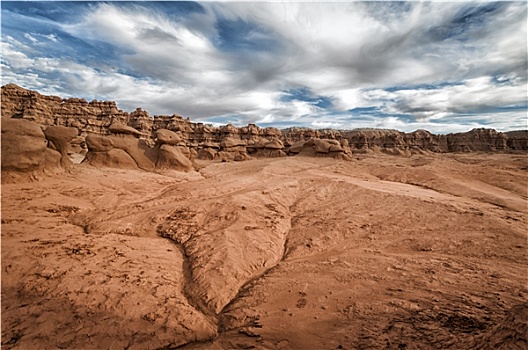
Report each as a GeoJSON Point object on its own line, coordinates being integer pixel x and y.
{"type": "Point", "coordinates": [426, 252]}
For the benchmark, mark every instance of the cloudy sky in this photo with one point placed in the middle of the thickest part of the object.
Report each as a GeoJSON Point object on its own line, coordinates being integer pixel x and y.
{"type": "Point", "coordinates": [441, 66]}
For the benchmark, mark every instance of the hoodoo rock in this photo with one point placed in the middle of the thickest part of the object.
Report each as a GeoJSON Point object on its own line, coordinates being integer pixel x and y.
{"type": "Point", "coordinates": [103, 153]}
{"type": "Point", "coordinates": [59, 138]}
{"type": "Point", "coordinates": [104, 119]}
{"type": "Point", "coordinates": [123, 150]}
{"type": "Point", "coordinates": [319, 148]}
{"type": "Point", "coordinates": [171, 155]}
{"type": "Point", "coordinates": [172, 158]}
{"type": "Point", "coordinates": [230, 142]}
{"type": "Point", "coordinates": [208, 150]}
{"type": "Point", "coordinates": [233, 149]}
{"type": "Point", "coordinates": [296, 148]}
{"type": "Point", "coordinates": [323, 146]}
{"type": "Point", "coordinates": [264, 148]}
{"type": "Point", "coordinates": [167, 137]}
{"type": "Point", "coordinates": [27, 151]}
{"type": "Point", "coordinates": [123, 129]}
{"type": "Point", "coordinates": [99, 143]}
{"type": "Point", "coordinates": [141, 120]}
{"type": "Point", "coordinates": [274, 144]}
{"type": "Point", "coordinates": [23, 145]}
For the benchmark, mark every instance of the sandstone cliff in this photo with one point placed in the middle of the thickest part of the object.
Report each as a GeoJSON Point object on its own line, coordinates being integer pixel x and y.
{"type": "Point", "coordinates": [239, 143]}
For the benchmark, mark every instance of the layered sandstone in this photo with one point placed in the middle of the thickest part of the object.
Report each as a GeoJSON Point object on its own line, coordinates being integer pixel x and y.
{"type": "Point", "coordinates": [517, 140]}
{"type": "Point", "coordinates": [236, 143]}
{"type": "Point", "coordinates": [95, 116]}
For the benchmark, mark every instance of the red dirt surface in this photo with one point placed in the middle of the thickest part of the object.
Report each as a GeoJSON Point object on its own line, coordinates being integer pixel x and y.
{"type": "Point", "coordinates": [424, 252]}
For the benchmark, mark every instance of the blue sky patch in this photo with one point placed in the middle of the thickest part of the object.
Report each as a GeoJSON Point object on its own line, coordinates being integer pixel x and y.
{"type": "Point", "coordinates": [240, 35]}
{"type": "Point", "coordinates": [469, 18]}
{"type": "Point", "coordinates": [380, 112]}
{"type": "Point", "coordinates": [434, 86]}
{"type": "Point", "coordinates": [306, 95]}
{"type": "Point", "coordinates": [54, 11]}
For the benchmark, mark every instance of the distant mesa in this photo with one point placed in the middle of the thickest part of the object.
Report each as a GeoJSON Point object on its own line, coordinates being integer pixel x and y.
{"type": "Point", "coordinates": [40, 133]}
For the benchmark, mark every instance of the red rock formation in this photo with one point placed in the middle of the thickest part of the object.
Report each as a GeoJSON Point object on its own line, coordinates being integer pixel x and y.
{"type": "Point", "coordinates": [293, 135]}
{"type": "Point", "coordinates": [124, 150]}
{"type": "Point", "coordinates": [98, 117]}
{"type": "Point", "coordinates": [517, 140]}
{"type": "Point", "coordinates": [477, 140]}
{"type": "Point", "coordinates": [424, 140]}
{"type": "Point", "coordinates": [263, 148]}
{"type": "Point", "coordinates": [52, 110]}
{"type": "Point", "coordinates": [320, 148]}
{"type": "Point", "coordinates": [171, 154]}
{"type": "Point", "coordinates": [141, 121]}
{"type": "Point", "coordinates": [28, 152]}
{"type": "Point", "coordinates": [232, 148]}
{"type": "Point", "coordinates": [59, 138]}
{"type": "Point", "coordinates": [23, 145]}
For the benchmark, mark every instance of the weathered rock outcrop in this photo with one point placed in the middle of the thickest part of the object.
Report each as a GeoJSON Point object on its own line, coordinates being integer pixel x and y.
{"type": "Point", "coordinates": [23, 145]}
{"type": "Point", "coordinates": [232, 148]}
{"type": "Point", "coordinates": [477, 140]}
{"type": "Point", "coordinates": [28, 152]}
{"type": "Point", "coordinates": [321, 148]}
{"type": "Point", "coordinates": [98, 117]}
{"type": "Point", "coordinates": [517, 140]}
{"type": "Point", "coordinates": [364, 140]}
{"type": "Point", "coordinates": [171, 154]}
{"type": "Point", "coordinates": [140, 120]}
{"type": "Point", "coordinates": [423, 140]}
{"type": "Point", "coordinates": [95, 116]}
{"type": "Point", "coordinates": [124, 150]}
{"type": "Point", "coordinates": [393, 141]}
{"type": "Point", "coordinates": [293, 135]}
{"type": "Point", "coordinates": [59, 138]}
{"type": "Point", "coordinates": [218, 143]}
{"type": "Point", "coordinates": [103, 152]}
{"type": "Point", "coordinates": [264, 148]}
{"type": "Point", "coordinates": [208, 150]}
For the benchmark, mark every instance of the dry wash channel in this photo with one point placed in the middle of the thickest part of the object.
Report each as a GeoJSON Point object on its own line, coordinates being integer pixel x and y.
{"type": "Point", "coordinates": [382, 252]}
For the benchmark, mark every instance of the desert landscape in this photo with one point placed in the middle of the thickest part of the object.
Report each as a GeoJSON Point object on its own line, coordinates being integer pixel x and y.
{"type": "Point", "coordinates": [126, 231]}
{"type": "Point", "coordinates": [303, 175]}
